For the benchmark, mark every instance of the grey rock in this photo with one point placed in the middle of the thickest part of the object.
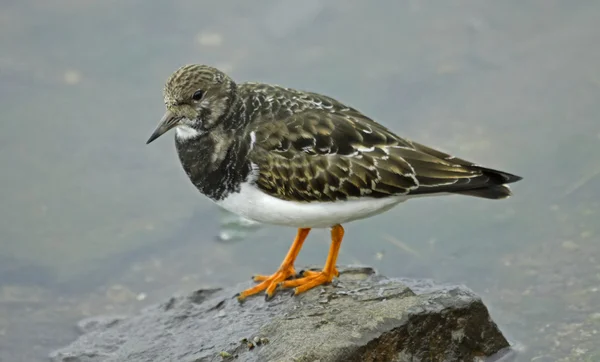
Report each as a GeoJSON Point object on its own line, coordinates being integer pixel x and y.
{"type": "Point", "coordinates": [88, 325]}
{"type": "Point", "coordinates": [361, 317]}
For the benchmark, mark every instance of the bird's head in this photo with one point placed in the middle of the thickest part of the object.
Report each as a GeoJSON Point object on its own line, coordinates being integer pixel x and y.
{"type": "Point", "coordinates": [197, 98]}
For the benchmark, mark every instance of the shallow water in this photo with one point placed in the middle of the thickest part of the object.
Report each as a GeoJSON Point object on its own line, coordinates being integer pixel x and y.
{"type": "Point", "coordinates": [93, 221]}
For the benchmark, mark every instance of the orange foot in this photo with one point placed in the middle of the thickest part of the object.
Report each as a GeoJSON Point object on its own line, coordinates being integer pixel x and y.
{"type": "Point", "coordinates": [268, 282]}
{"type": "Point", "coordinates": [312, 273]}
{"type": "Point", "coordinates": [310, 280]}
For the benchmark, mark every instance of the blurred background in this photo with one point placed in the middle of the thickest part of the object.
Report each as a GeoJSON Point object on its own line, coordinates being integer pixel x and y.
{"type": "Point", "coordinates": [93, 221]}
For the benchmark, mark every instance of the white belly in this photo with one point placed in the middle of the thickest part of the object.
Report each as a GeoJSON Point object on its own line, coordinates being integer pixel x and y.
{"type": "Point", "coordinates": [253, 204]}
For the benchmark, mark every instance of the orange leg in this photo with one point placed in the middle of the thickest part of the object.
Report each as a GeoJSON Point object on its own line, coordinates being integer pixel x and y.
{"type": "Point", "coordinates": [286, 270]}
{"type": "Point", "coordinates": [313, 279]}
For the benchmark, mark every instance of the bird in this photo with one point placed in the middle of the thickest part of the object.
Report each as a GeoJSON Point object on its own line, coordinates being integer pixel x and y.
{"type": "Point", "coordinates": [300, 159]}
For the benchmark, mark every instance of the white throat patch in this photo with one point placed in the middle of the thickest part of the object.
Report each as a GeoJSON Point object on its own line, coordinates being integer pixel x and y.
{"type": "Point", "coordinates": [185, 132]}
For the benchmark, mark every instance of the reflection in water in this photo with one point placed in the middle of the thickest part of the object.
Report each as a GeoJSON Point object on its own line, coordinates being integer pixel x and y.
{"type": "Point", "coordinates": [94, 222]}
{"type": "Point", "coordinates": [234, 227]}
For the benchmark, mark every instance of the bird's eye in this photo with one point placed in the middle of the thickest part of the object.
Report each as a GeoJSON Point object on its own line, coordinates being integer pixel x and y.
{"type": "Point", "coordinates": [198, 95]}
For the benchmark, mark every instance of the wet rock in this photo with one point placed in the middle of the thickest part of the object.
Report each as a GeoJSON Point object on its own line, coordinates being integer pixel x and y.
{"type": "Point", "coordinates": [361, 317]}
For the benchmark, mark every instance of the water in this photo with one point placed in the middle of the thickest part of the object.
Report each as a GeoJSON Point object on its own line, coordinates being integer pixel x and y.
{"type": "Point", "coordinates": [93, 221]}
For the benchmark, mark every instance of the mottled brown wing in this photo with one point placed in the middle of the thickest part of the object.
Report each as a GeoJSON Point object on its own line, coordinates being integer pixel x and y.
{"type": "Point", "coordinates": [329, 152]}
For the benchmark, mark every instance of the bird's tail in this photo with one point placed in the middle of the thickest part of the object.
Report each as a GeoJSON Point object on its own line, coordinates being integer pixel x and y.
{"type": "Point", "coordinates": [498, 188]}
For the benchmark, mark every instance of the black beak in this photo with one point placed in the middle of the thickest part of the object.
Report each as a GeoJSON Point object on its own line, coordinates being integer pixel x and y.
{"type": "Point", "coordinates": [168, 121]}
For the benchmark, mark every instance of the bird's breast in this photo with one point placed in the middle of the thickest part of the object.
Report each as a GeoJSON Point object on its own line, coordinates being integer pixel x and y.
{"type": "Point", "coordinates": [215, 166]}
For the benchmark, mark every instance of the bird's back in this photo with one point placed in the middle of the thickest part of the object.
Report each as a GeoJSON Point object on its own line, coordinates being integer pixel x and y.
{"type": "Point", "coordinates": [310, 147]}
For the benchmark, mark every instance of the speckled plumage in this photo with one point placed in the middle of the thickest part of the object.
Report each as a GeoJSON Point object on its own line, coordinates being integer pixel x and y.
{"type": "Point", "coordinates": [311, 147]}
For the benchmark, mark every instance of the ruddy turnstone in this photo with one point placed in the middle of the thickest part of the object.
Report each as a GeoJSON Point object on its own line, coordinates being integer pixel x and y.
{"type": "Point", "coordinates": [287, 157]}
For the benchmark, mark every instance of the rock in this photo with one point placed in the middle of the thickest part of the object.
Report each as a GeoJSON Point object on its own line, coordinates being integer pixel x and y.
{"type": "Point", "coordinates": [361, 317]}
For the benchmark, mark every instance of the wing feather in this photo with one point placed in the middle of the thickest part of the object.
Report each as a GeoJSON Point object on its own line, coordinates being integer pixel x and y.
{"type": "Point", "coordinates": [310, 147]}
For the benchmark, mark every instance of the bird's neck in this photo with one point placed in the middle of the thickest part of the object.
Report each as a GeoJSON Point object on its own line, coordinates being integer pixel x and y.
{"type": "Point", "coordinates": [234, 119]}
{"type": "Point", "coordinates": [215, 162]}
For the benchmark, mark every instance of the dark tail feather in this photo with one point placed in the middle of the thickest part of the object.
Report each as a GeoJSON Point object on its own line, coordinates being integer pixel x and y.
{"type": "Point", "coordinates": [500, 177]}
{"type": "Point", "coordinates": [495, 192]}
{"type": "Point", "coordinates": [498, 189]}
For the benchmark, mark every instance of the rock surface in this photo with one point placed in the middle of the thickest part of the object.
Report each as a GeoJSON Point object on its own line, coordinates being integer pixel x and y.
{"type": "Point", "coordinates": [361, 317]}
